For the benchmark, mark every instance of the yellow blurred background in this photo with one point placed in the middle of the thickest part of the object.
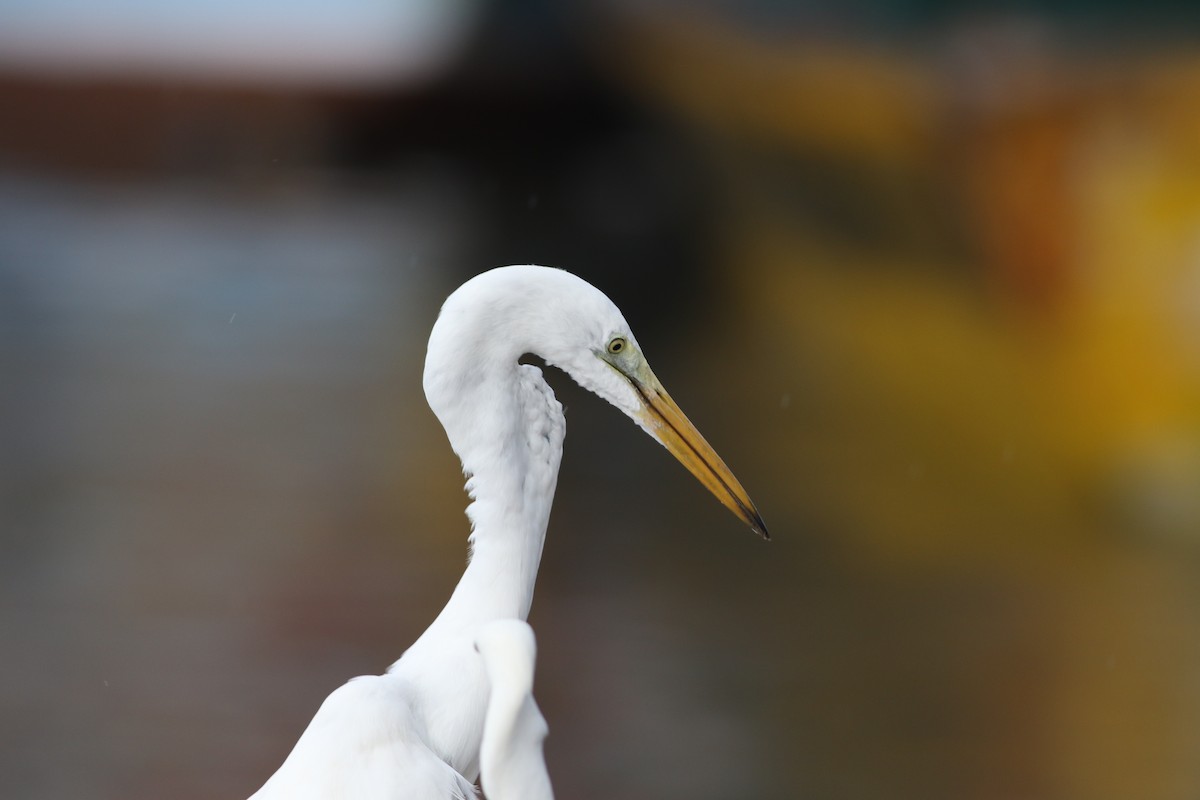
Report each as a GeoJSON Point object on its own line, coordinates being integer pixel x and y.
{"type": "Point", "coordinates": [927, 274]}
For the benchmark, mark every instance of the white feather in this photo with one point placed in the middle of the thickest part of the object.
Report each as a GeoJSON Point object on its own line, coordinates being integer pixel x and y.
{"type": "Point", "coordinates": [512, 762]}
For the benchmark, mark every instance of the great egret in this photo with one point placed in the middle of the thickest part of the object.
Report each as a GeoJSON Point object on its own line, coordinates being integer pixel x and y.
{"type": "Point", "coordinates": [511, 763]}
{"type": "Point", "coordinates": [414, 732]}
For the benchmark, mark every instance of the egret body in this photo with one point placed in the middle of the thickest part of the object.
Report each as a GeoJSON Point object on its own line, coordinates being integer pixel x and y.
{"type": "Point", "coordinates": [415, 731]}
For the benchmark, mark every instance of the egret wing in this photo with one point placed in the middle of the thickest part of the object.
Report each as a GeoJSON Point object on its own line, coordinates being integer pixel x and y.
{"type": "Point", "coordinates": [365, 743]}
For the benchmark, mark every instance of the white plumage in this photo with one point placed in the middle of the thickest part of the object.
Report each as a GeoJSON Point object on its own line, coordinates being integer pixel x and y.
{"type": "Point", "coordinates": [512, 765]}
{"type": "Point", "coordinates": [414, 733]}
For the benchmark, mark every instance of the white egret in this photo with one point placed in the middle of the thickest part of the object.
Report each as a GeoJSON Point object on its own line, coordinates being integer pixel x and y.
{"type": "Point", "coordinates": [415, 731]}
{"type": "Point", "coordinates": [512, 765]}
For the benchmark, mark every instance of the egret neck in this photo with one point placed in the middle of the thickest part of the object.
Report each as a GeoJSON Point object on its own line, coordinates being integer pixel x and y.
{"type": "Point", "coordinates": [506, 426]}
{"type": "Point", "coordinates": [511, 478]}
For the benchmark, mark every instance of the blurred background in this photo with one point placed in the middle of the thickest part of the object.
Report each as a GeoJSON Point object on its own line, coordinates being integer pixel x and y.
{"type": "Point", "coordinates": [927, 274]}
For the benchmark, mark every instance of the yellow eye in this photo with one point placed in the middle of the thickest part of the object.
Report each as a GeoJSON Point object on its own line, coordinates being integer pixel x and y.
{"type": "Point", "coordinates": [617, 345]}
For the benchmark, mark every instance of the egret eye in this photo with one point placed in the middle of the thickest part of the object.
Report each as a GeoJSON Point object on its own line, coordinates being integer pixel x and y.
{"type": "Point", "coordinates": [617, 345]}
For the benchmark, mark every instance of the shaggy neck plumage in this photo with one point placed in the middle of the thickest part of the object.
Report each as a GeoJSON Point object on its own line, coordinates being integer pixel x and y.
{"type": "Point", "coordinates": [507, 428]}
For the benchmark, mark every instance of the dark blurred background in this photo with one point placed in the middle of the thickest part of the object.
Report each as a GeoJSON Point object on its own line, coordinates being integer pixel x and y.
{"type": "Point", "coordinates": [926, 273]}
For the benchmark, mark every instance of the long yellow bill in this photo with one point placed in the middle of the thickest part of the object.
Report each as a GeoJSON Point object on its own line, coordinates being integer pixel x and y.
{"type": "Point", "coordinates": [675, 431]}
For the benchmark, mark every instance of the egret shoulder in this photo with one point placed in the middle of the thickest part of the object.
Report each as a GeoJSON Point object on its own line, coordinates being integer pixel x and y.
{"type": "Point", "coordinates": [365, 743]}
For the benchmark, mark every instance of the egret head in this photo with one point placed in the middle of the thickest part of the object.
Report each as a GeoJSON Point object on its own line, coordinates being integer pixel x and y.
{"type": "Point", "coordinates": [616, 369]}
{"type": "Point", "coordinates": [575, 327]}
